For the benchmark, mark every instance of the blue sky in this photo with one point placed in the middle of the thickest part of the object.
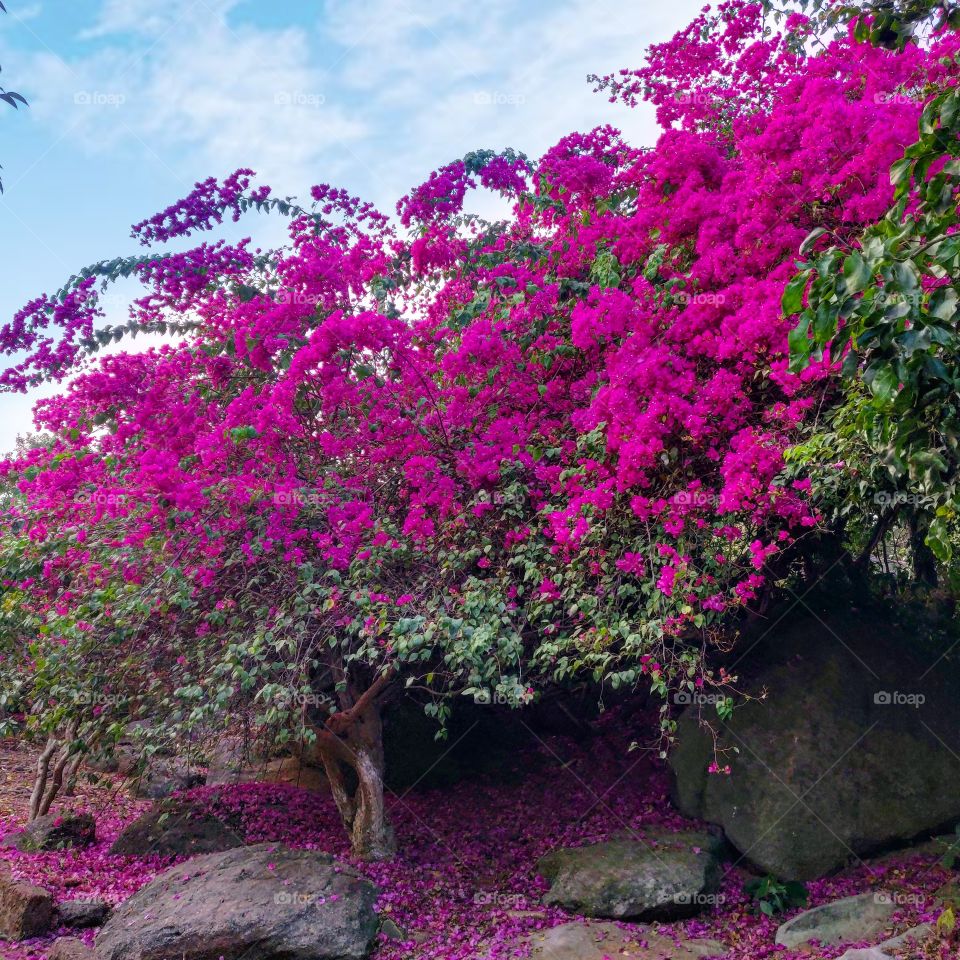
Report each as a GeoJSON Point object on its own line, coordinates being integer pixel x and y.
{"type": "Point", "coordinates": [132, 101]}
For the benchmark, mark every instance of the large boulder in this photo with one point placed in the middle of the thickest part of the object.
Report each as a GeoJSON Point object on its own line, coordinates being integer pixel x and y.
{"type": "Point", "coordinates": [265, 902]}
{"type": "Point", "coordinates": [849, 920]}
{"type": "Point", "coordinates": [54, 831]}
{"type": "Point", "coordinates": [175, 829]}
{"type": "Point", "coordinates": [26, 910]}
{"type": "Point", "coordinates": [663, 877]}
{"type": "Point", "coordinates": [854, 749]}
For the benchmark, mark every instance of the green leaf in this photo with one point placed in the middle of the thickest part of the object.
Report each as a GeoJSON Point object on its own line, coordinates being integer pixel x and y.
{"type": "Point", "coordinates": [900, 171]}
{"type": "Point", "coordinates": [810, 239]}
{"type": "Point", "coordinates": [938, 539]}
{"type": "Point", "coordinates": [798, 338]}
{"type": "Point", "coordinates": [792, 301]}
{"type": "Point", "coordinates": [943, 303]}
{"type": "Point", "coordinates": [883, 382]}
{"type": "Point", "coordinates": [856, 274]}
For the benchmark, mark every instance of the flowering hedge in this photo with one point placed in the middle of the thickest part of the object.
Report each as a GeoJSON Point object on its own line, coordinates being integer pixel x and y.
{"type": "Point", "coordinates": [467, 457]}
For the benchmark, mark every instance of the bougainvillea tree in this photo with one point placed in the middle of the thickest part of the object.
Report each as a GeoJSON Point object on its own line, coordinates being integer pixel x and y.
{"type": "Point", "coordinates": [443, 455]}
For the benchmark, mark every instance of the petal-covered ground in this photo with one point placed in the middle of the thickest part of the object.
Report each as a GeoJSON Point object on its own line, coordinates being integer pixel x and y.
{"type": "Point", "coordinates": [464, 886]}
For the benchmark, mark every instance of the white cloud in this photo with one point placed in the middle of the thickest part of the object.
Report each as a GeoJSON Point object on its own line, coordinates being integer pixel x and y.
{"type": "Point", "coordinates": [375, 92]}
{"type": "Point", "coordinates": [372, 94]}
{"type": "Point", "coordinates": [468, 75]}
{"type": "Point", "coordinates": [184, 86]}
{"type": "Point", "coordinates": [26, 12]}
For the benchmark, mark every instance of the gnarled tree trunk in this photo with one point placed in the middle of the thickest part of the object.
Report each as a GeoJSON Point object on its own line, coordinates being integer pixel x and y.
{"type": "Point", "coordinates": [350, 745]}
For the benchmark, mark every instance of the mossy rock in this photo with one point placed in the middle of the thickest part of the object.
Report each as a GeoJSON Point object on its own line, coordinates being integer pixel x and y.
{"type": "Point", "coordinates": [663, 876]}
{"type": "Point", "coordinates": [854, 749]}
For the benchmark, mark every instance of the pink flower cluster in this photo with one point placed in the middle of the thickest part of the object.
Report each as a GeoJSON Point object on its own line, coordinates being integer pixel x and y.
{"type": "Point", "coordinates": [615, 352]}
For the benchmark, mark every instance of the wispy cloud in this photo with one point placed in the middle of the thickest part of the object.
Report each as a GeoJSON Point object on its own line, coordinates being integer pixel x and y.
{"type": "Point", "coordinates": [186, 84]}
{"type": "Point", "coordinates": [26, 12]}
{"type": "Point", "coordinates": [375, 91]}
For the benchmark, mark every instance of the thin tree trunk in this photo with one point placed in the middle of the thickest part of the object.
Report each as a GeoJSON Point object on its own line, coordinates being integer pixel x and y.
{"type": "Point", "coordinates": [70, 775]}
{"type": "Point", "coordinates": [43, 773]}
{"type": "Point", "coordinates": [54, 781]}
{"type": "Point", "coordinates": [333, 765]}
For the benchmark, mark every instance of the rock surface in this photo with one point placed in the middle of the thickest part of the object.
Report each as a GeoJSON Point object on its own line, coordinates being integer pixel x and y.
{"type": "Point", "coordinates": [175, 829]}
{"type": "Point", "coordinates": [69, 948]}
{"type": "Point", "coordinates": [83, 913]}
{"type": "Point", "coordinates": [884, 951]}
{"type": "Point", "coordinates": [849, 920]}
{"type": "Point", "coordinates": [286, 770]}
{"type": "Point", "coordinates": [666, 877]}
{"type": "Point", "coordinates": [54, 831]}
{"type": "Point", "coordinates": [265, 902]}
{"type": "Point", "coordinates": [595, 940]}
{"type": "Point", "coordinates": [165, 776]}
{"type": "Point", "coordinates": [855, 749]}
{"type": "Point", "coordinates": [26, 910]}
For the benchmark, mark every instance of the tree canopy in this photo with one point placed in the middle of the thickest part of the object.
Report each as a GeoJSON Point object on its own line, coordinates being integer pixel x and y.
{"type": "Point", "coordinates": [479, 459]}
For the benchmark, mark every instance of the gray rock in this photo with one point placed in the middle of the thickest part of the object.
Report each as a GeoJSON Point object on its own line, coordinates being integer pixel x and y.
{"type": "Point", "coordinates": [286, 770]}
{"type": "Point", "coordinates": [165, 776]}
{"type": "Point", "coordinates": [669, 876]}
{"type": "Point", "coordinates": [54, 831]}
{"type": "Point", "coordinates": [596, 940]}
{"type": "Point", "coordinates": [69, 948]}
{"type": "Point", "coordinates": [265, 902]}
{"type": "Point", "coordinates": [175, 830]}
{"type": "Point", "coordinates": [83, 913]}
{"type": "Point", "coordinates": [854, 750]}
{"type": "Point", "coordinates": [843, 921]}
{"type": "Point", "coordinates": [391, 931]}
{"type": "Point", "coordinates": [26, 910]}
{"type": "Point", "coordinates": [884, 951]}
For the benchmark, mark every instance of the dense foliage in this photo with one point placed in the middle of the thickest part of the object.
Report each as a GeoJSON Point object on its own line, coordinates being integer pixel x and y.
{"type": "Point", "coordinates": [459, 457]}
{"type": "Point", "coordinates": [886, 305]}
